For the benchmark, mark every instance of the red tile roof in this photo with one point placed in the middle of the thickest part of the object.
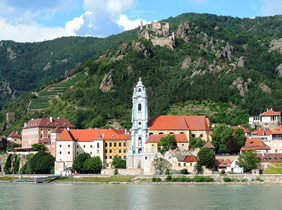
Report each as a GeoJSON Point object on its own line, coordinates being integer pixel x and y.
{"type": "Point", "coordinates": [46, 122]}
{"type": "Point", "coordinates": [270, 112]}
{"type": "Point", "coordinates": [190, 158]}
{"type": "Point", "coordinates": [209, 145]}
{"type": "Point", "coordinates": [225, 163]}
{"type": "Point", "coordinates": [57, 130]}
{"type": "Point", "coordinates": [93, 134]}
{"type": "Point", "coordinates": [156, 138]}
{"type": "Point", "coordinates": [261, 132]}
{"type": "Point", "coordinates": [277, 130]}
{"type": "Point", "coordinates": [15, 135]}
{"type": "Point", "coordinates": [270, 157]}
{"type": "Point", "coordinates": [242, 127]}
{"type": "Point", "coordinates": [254, 144]}
{"type": "Point", "coordinates": [196, 123]}
{"type": "Point", "coordinates": [217, 162]}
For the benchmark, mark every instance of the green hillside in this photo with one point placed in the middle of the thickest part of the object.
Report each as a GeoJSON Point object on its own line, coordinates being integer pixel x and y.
{"type": "Point", "coordinates": [223, 67]}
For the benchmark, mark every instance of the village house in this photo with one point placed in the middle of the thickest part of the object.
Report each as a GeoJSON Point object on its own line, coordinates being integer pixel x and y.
{"type": "Point", "coordinates": [39, 131]}
{"type": "Point", "coordinates": [255, 145]}
{"type": "Point", "coordinates": [276, 140]}
{"type": "Point", "coordinates": [266, 120]}
{"type": "Point", "coordinates": [263, 135]}
{"type": "Point", "coordinates": [105, 143]}
{"type": "Point", "coordinates": [180, 162]}
{"type": "Point", "coordinates": [271, 161]}
{"type": "Point", "coordinates": [246, 131]}
{"type": "Point", "coordinates": [234, 167]}
{"type": "Point", "coordinates": [15, 138]}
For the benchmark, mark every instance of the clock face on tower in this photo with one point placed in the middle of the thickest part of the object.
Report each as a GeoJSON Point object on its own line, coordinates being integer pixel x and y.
{"type": "Point", "coordinates": [139, 99]}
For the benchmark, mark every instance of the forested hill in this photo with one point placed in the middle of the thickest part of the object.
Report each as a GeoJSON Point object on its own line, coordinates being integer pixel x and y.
{"type": "Point", "coordinates": [27, 66]}
{"type": "Point", "coordinates": [226, 68]}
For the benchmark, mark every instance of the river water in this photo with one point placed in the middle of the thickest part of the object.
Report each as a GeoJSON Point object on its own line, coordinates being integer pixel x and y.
{"type": "Point", "coordinates": [143, 196]}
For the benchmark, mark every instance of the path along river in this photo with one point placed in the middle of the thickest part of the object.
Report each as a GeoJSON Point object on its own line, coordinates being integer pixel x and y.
{"type": "Point", "coordinates": [143, 196]}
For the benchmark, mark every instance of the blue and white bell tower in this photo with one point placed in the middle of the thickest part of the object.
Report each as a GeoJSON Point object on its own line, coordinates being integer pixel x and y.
{"type": "Point", "coordinates": [139, 130]}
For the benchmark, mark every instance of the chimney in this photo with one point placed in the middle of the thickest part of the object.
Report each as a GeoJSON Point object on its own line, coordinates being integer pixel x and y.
{"type": "Point", "coordinates": [267, 109]}
{"type": "Point", "coordinates": [68, 129]}
{"type": "Point", "coordinates": [125, 131]}
{"type": "Point", "coordinates": [239, 126]}
{"type": "Point", "coordinates": [51, 119]}
{"type": "Point", "coordinates": [58, 118]}
{"type": "Point", "coordinates": [103, 135]}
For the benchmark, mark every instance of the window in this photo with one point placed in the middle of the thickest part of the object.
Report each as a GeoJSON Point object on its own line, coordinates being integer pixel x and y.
{"type": "Point", "coordinates": [41, 136]}
{"type": "Point", "coordinates": [107, 164]}
{"type": "Point", "coordinates": [275, 144]}
{"type": "Point", "coordinates": [145, 157]}
{"type": "Point", "coordinates": [69, 145]}
{"type": "Point", "coordinates": [119, 144]}
{"type": "Point", "coordinates": [41, 129]}
{"type": "Point", "coordinates": [153, 145]}
{"type": "Point", "coordinates": [77, 146]}
{"type": "Point", "coordinates": [161, 133]}
{"type": "Point", "coordinates": [179, 164]}
{"type": "Point", "coordinates": [139, 107]}
{"type": "Point", "coordinates": [124, 151]}
{"type": "Point", "coordinates": [139, 90]}
{"type": "Point", "coordinates": [119, 151]}
{"type": "Point", "coordinates": [280, 165]}
{"type": "Point", "coordinates": [280, 144]}
{"type": "Point", "coordinates": [110, 144]}
{"type": "Point", "coordinates": [90, 153]}
{"type": "Point", "coordinates": [106, 151]}
{"type": "Point", "coordinates": [110, 151]}
{"type": "Point", "coordinates": [110, 157]}
{"type": "Point", "coordinates": [48, 129]}
{"type": "Point", "coordinates": [139, 123]}
{"type": "Point", "coordinates": [276, 165]}
{"type": "Point", "coordinates": [106, 144]}
{"type": "Point", "coordinates": [150, 134]}
{"type": "Point", "coordinates": [171, 133]}
{"type": "Point", "coordinates": [60, 152]}
{"type": "Point", "coordinates": [77, 153]}
{"type": "Point", "coordinates": [106, 157]}
{"type": "Point", "coordinates": [83, 146]}
{"type": "Point", "coordinates": [184, 164]}
{"type": "Point", "coordinates": [124, 144]}
{"type": "Point", "coordinates": [181, 132]}
{"type": "Point", "coordinates": [68, 152]}
{"type": "Point", "coordinates": [190, 164]}
{"type": "Point", "coordinates": [267, 165]}
{"type": "Point", "coordinates": [91, 146]}
{"type": "Point", "coordinates": [276, 150]}
{"type": "Point", "coordinates": [98, 151]}
{"type": "Point", "coordinates": [124, 157]}
{"type": "Point", "coordinates": [139, 141]}
{"type": "Point", "coordinates": [193, 135]}
{"type": "Point", "coordinates": [49, 136]}
{"type": "Point", "coordinates": [98, 145]}
{"type": "Point", "coordinates": [182, 145]}
{"type": "Point", "coordinates": [201, 135]}
{"type": "Point", "coordinates": [115, 144]}
{"type": "Point", "coordinates": [280, 150]}
{"type": "Point", "coordinates": [60, 145]}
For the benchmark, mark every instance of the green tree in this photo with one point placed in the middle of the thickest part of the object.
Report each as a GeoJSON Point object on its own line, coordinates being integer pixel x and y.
{"type": "Point", "coordinates": [41, 163]}
{"type": "Point", "coordinates": [38, 147]}
{"type": "Point", "coordinates": [166, 143]}
{"type": "Point", "coordinates": [248, 160]}
{"type": "Point", "coordinates": [78, 163]}
{"type": "Point", "coordinates": [93, 165]}
{"type": "Point", "coordinates": [8, 164]}
{"type": "Point", "coordinates": [220, 136]}
{"type": "Point", "coordinates": [239, 136]}
{"type": "Point", "coordinates": [206, 157]}
{"type": "Point", "coordinates": [118, 162]}
{"type": "Point", "coordinates": [197, 142]}
{"type": "Point", "coordinates": [17, 165]}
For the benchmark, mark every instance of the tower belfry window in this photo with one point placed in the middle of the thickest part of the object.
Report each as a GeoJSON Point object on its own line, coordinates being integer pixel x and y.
{"type": "Point", "coordinates": [139, 90]}
{"type": "Point", "coordinates": [139, 107]}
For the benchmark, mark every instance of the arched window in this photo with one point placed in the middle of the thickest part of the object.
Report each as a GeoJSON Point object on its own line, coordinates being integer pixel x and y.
{"type": "Point", "coordinates": [139, 141]}
{"type": "Point", "coordinates": [150, 134]}
{"type": "Point", "coordinates": [139, 107]}
{"type": "Point", "coordinates": [171, 133]}
{"type": "Point", "coordinates": [201, 135]}
{"type": "Point", "coordinates": [139, 90]}
{"type": "Point", "coordinates": [161, 133]}
{"type": "Point", "coordinates": [181, 132]}
{"type": "Point", "coordinates": [193, 135]}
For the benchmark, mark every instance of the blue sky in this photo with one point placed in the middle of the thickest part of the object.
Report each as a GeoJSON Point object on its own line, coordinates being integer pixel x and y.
{"type": "Point", "coordinates": [39, 20]}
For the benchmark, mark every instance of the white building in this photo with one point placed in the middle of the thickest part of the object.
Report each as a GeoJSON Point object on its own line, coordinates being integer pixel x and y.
{"type": "Point", "coordinates": [266, 120]}
{"type": "Point", "coordinates": [234, 167]}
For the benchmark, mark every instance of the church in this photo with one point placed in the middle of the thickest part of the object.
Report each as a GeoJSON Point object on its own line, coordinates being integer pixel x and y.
{"type": "Point", "coordinates": [146, 135]}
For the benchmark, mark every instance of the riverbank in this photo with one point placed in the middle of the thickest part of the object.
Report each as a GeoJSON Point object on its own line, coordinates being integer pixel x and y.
{"type": "Point", "coordinates": [174, 179]}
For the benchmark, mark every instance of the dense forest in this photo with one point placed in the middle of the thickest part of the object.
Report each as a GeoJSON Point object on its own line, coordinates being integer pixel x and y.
{"type": "Point", "coordinates": [223, 67]}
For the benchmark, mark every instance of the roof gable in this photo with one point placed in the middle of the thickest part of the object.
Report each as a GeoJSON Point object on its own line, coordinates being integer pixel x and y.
{"type": "Point", "coordinates": [270, 112]}
{"type": "Point", "coordinates": [277, 130]}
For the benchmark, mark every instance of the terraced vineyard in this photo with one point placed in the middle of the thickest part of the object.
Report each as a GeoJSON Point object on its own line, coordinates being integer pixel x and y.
{"type": "Point", "coordinates": [46, 96]}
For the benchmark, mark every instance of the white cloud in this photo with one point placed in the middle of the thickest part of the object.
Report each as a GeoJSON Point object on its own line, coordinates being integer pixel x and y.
{"type": "Point", "coordinates": [31, 32]}
{"type": "Point", "coordinates": [129, 24]}
{"type": "Point", "coordinates": [271, 7]}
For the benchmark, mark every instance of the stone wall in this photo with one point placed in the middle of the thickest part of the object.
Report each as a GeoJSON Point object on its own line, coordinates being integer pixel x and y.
{"type": "Point", "coordinates": [132, 172]}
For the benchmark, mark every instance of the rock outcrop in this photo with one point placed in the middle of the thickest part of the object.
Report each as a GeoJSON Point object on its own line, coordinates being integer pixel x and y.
{"type": "Point", "coordinates": [240, 85]}
{"type": "Point", "coordinates": [183, 31]}
{"type": "Point", "coordinates": [279, 70]}
{"type": "Point", "coordinates": [12, 55]}
{"type": "Point", "coordinates": [186, 63]}
{"type": "Point", "coordinates": [141, 48]}
{"type": "Point", "coordinates": [265, 88]}
{"type": "Point", "coordinates": [107, 82]}
{"type": "Point", "coordinates": [225, 53]}
{"type": "Point", "coordinates": [276, 44]}
{"type": "Point", "coordinates": [7, 91]}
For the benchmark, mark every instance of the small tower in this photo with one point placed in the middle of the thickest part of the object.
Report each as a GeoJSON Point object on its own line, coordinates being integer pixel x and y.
{"type": "Point", "coordinates": [139, 130]}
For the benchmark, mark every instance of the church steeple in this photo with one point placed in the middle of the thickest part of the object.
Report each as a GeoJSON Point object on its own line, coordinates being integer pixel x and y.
{"type": "Point", "coordinates": [139, 119]}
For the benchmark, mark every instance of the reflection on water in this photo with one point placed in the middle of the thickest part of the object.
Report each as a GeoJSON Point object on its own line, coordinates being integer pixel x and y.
{"type": "Point", "coordinates": [108, 196]}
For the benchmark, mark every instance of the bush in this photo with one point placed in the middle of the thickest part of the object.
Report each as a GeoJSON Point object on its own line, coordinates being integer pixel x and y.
{"type": "Point", "coordinates": [42, 163]}
{"type": "Point", "coordinates": [222, 173]}
{"type": "Point", "coordinates": [167, 171]}
{"type": "Point", "coordinates": [116, 172]}
{"type": "Point", "coordinates": [78, 162]}
{"type": "Point", "coordinates": [118, 162]}
{"type": "Point", "coordinates": [156, 179]}
{"type": "Point", "coordinates": [168, 178]}
{"type": "Point", "coordinates": [227, 179]}
{"type": "Point", "coordinates": [93, 165]}
{"type": "Point", "coordinates": [259, 179]}
{"type": "Point", "coordinates": [184, 171]}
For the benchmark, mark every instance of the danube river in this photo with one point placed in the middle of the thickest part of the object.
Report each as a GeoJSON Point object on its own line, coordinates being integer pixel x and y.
{"type": "Point", "coordinates": [145, 196]}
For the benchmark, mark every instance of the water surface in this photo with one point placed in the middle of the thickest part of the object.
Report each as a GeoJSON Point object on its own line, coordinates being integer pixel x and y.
{"type": "Point", "coordinates": [110, 196]}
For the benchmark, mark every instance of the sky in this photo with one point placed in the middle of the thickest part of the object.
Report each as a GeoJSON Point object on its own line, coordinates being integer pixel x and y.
{"type": "Point", "coordinates": [39, 20]}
